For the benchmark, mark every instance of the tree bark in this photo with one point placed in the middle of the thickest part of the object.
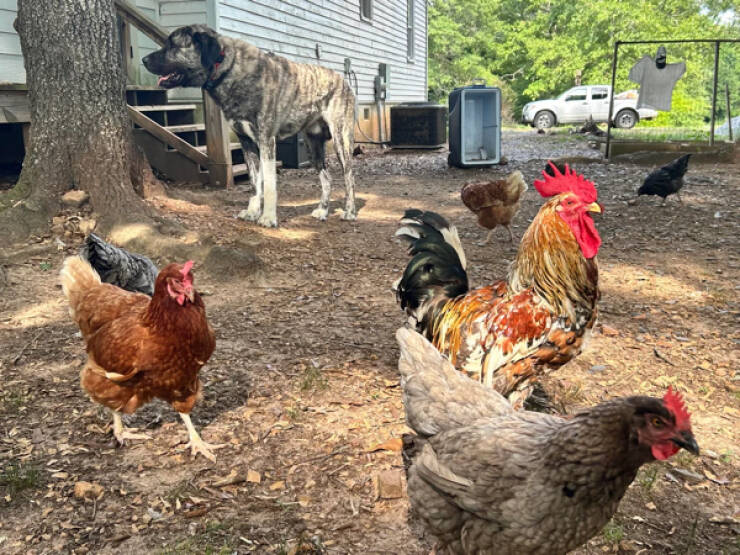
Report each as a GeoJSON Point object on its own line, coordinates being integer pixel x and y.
{"type": "Point", "coordinates": [80, 131]}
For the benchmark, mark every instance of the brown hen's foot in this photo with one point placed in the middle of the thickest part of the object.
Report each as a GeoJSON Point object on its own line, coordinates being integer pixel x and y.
{"type": "Point", "coordinates": [487, 240]}
{"type": "Point", "coordinates": [121, 433]}
{"type": "Point", "coordinates": [196, 444]}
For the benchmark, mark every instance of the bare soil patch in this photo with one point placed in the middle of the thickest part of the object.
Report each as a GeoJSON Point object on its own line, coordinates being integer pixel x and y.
{"type": "Point", "coordinates": [303, 386]}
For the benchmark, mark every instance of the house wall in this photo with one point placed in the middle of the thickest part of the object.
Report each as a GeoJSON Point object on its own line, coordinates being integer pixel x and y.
{"type": "Point", "coordinates": [293, 28]}
{"type": "Point", "coordinates": [11, 59]}
{"type": "Point", "coordinates": [176, 13]}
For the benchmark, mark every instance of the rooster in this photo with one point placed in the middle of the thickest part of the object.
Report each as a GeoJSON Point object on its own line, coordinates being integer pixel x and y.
{"type": "Point", "coordinates": [487, 479]}
{"type": "Point", "coordinates": [129, 271]}
{"type": "Point", "coordinates": [506, 333]}
{"type": "Point", "coordinates": [494, 202]}
{"type": "Point", "coordinates": [139, 348]}
{"type": "Point", "coordinates": [666, 180]}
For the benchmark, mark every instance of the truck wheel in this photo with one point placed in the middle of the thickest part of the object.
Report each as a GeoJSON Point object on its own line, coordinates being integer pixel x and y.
{"type": "Point", "coordinates": [626, 119]}
{"type": "Point", "coordinates": [544, 119]}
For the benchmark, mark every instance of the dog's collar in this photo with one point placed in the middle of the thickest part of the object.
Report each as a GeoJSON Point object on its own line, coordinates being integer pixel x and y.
{"type": "Point", "coordinates": [211, 82]}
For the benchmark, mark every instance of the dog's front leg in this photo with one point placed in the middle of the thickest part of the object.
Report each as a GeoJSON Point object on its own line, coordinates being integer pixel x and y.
{"type": "Point", "coordinates": [269, 181]}
{"type": "Point", "coordinates": [252, 159]}
{"type": "Point", "coordinates": [254, 209]}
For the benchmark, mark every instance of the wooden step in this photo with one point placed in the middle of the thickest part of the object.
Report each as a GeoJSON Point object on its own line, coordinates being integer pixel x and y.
{"type": "Point", "coordinates": [144, 88]}
{"type": "Point", "coordinates": [232, 146]}
{"type": "Point", "coordinates": [164, 107]}
{"type": "Point", "coordinates": [239, 169]}
{"type": "Point", "coordinates": [186, 128]}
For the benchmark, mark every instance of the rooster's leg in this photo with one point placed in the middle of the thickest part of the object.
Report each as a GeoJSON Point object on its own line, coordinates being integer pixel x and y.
{"type": "Point", "coordinates": [511, 235]}
{"type": "Point", "coordinates": [121, 433]}
{"type": "Point", "coordinates": [679, 197]}
{"type": "Point", "coordinates": [196, 444]}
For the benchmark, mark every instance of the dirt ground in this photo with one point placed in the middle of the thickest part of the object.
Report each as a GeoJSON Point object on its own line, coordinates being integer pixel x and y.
{"type": "Point", "coordinates": [303, 388]}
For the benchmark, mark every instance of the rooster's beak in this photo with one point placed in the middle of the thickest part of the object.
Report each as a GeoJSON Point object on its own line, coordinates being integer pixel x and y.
{"type": "Point", "coordinates": [594, 207]}
{"type": "Point", "coordinates": [686, 440]}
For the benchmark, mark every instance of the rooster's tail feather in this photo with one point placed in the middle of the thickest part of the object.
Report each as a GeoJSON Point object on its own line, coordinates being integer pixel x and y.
{"type": "Point", "coordinates": [77, 278]}
{"type": "Point", "coordinates": [437, 262]}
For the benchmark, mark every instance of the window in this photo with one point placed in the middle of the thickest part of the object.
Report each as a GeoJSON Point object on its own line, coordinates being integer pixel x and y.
{"type": "Point", "coordinates": [366, 10]}
{"type": "Point", "coordinates": [410, 29]}
{"type": "Point", "coordinates": [576, 94]}
{"type": "Point", "coordinates": [599, 94]}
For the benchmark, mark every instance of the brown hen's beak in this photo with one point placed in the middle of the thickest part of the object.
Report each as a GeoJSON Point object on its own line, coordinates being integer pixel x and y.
{"type": "Point", "coordinates": [594, 207]}
{"type": "Point", "coordinates": [190, 294]}
{"type": "Point", "coordinates": [686, 441]}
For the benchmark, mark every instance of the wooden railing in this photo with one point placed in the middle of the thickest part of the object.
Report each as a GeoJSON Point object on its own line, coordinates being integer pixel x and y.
{"type": "Point", "coordinates": [218, 157]}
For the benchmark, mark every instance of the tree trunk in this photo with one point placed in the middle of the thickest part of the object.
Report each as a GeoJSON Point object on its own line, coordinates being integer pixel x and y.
{"type": "Point", "coordinates": [80, 131]}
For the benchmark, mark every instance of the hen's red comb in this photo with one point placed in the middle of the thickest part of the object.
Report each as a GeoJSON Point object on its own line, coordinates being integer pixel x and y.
{"type": "Point", "coordinates": [186, 268]}
{"type": "Point", "coordinates": [674, 403]}
{"type": "Point", "coordinates": [564, 182]}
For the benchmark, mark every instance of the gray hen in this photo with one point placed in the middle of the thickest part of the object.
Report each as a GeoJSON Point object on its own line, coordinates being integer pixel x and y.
{"type": "Point", "coordinates": [486, 479]}
{"type": "Point", "coordinates": [129, 271]}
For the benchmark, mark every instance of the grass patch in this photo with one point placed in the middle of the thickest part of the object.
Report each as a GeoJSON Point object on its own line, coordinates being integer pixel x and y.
{"type": "Point", "coordinates": [294, 413]}
{"type": "Point", "coordinates": [16, 477]}
{"type": "Point", "coordinates": [684, 459]}
{"type": "Point", "coordinates": [647, 477]}
{"type": "Point", "coordinates": [613, 533]}
{"type": "Point", "coordinates": [662, 134]}
{"type": "Point", "coordinates": [215, 539]}
{"type": "Point", "coordinates": [181, 491]}
{"type": "Point", "coordinates": [313, 379]}
{"type": "Point", "coordinates": [13, 399]}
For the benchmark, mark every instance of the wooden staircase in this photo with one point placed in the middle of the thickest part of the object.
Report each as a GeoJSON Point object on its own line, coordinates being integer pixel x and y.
{"type": "Point", "coordinates": [156, 121]}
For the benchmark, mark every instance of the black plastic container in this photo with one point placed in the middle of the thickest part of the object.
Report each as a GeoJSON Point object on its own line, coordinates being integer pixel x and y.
{"type": "Point", "coordinates": [293, 152]}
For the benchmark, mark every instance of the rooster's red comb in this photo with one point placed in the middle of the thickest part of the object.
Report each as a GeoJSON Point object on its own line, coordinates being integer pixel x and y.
{"type": "Point", "coordinates": [674, 403]}
{"type": "Point", "coordinates": [564, 182]}
{"type": "Point", "coordinates": [186, 268]}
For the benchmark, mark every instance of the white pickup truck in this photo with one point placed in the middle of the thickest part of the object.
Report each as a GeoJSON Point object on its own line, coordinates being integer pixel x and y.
{"type": "Point", "coordinates": [576, 105]}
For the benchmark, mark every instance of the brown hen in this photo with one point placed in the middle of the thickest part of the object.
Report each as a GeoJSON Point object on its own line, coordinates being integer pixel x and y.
{"type": "Point", "coordinates": [140, 348]}
{"type": "Point", "coordinates": [487, 479]}
{"type": "Point", "coordinates": [507, 333]}
{"type": "Point", "coordinates": [495, 202]}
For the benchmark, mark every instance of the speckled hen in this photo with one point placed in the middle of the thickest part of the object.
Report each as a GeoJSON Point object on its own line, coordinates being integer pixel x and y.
{"type": "Point", "coordinates": [486, 479]}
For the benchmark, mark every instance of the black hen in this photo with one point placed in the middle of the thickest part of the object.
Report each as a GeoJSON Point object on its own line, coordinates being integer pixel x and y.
{"type": "Point", "coordinates": [666, 180]}
{"type": "Point", "coordinates": [129, 271]}
{"type": "Point", "coordinates": [437, 264]}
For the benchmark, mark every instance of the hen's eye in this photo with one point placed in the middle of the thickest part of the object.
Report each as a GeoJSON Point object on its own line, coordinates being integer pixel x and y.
{"type": "Point", "coordinates": [656, 422]}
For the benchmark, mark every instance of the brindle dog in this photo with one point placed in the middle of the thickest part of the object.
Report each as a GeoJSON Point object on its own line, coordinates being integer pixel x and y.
{"type": "Point", "coordinates": [267, 98]}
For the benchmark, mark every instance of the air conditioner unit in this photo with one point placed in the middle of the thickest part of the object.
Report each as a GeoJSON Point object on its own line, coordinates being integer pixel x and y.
{"type": "Point", "coordinates": [418, 125]}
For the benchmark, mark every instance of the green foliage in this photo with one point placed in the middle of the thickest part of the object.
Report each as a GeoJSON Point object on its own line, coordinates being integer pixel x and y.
{"type": "Point", "coordinates": [685, 111]}
{"type": "Point", "coordinates": [533, 48]}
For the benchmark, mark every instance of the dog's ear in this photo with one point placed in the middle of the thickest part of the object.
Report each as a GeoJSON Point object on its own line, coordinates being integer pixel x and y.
{"type": "Point", "coordinates": [209, 47]}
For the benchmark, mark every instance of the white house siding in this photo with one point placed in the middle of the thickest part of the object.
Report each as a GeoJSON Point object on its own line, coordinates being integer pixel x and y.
{"type": "Point", "coordinates": [176, 13]}
{"type": "Point", "coordinates": [143, 45]}
{"type": "Point", "coordinates": [293, 28]}
{"type": "Point", "coordinates": [11, 59]}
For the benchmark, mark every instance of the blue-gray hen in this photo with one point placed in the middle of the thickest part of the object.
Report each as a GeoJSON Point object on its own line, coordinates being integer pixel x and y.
{"type": "Point", "coordinates": [129, 271]}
